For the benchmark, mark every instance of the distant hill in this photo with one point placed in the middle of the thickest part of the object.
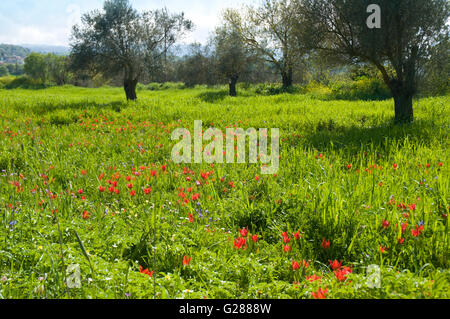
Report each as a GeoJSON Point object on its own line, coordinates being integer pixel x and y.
{"type": "Point", "coordinates": [13, 54]}
{"type": "Point", "coordinates": [43, 48]}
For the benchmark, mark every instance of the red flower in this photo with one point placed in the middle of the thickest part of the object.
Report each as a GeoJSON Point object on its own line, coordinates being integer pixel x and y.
{"type": "Point", "coordinates": [240, 243]}
{"type": "Point", "coordinates": [325, 244]}
{"type": "Point", "coordinates": [305, 264]}
{"type": "Point", "coordinates": [320, 294]}
{"type": "Point", "coordinates": [80, 191]}
{"type": "Point", "coordinates": [244, 232]}
{"type": "Point", "coordinates": [401, 241]}
{"type": "Point", "coordinates": [147, 191]}
{"type": "Point", "coordinates": [86, 215]}
{"type": "Point", "coordinates": [403, 227]}
{"type": "Point", "coordinates": [395, 166]}
{"type": "Point", "coordinates": [130, 186]}
{"type": "Point", "coordinates": [416, 232]}
{"type": "Point", "coordinates": [132, 193]}
{"type": "Point", "coordinates": [335, 264]}
{"type": "Point", "coordinates": [383, 249]}
{"type": "Point", "coordinates": [297, 235]}
{"type": "Point", "coordinates": [146, 272]}
{"type": "Point", "coordinates": [164, 168]}
{"type": "Point", "coordinates": [297, 265]}
{"type": "Point", "coordinates": [287, 248]}
{"type": "Point", "coordinates": [191, 218]}
{"type": "Point", "coordinates": [186, 261]}
{"type": "Point", "coordinates": [313, 278]}
{"type": "Point", "coordinates": [101, 189]}
{"type": "Point", "coordinates": [286, 237]}
{"type": "Point", "coordinates": [349, 166]}
{"type": "Point", "coordinates": [412, 207]}
{"type": "Point", "coordinates": [341, 274]}
{"type": "Point", "coordinates": [385, 223]}
{"type": "Point", "coordinates": [255, 238]}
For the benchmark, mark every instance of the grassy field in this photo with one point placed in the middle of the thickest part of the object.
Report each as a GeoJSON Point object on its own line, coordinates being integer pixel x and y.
{"type": "Point", "coordinates": [86, 178]}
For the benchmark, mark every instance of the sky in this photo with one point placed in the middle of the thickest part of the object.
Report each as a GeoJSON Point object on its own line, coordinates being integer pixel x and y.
{"type": "Point", "coordinates": [50, 22]}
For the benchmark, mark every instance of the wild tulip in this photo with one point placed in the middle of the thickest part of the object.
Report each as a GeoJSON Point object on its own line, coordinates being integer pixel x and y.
{"type": "Point", "coordinates": [146, 272]}
{"type": "Point", "coordinates": [186, 261]}
{"type": "Point", "coordinates": [286, 237]}
{"type": "Point", "coordinates": [240, 243]}
{"type": "Point", "coordinates": [244, 232]}
{"type": "Point", "coordinates": [385, 223]}
{"type": "Point", "coordinates": [313, 278]}
{"type": "Point", "coordinates": [325, 244]}
{"type": "Point", "coordinates": [335, 264]}
{"type": "Point", "coordinates": [341, 274]}
{"type": "Point", "coordinates": [320, 294]}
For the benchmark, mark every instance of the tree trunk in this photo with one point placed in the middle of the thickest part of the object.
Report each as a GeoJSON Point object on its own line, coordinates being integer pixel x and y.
{"type": "Point", "coordinates": [403, 101]}
{"type": "Point", "coordinates": [130, 89]}
{"type": "Point", "coordinates": [287, 78]}
{"type": "Point", "coordinates": [232, 84]}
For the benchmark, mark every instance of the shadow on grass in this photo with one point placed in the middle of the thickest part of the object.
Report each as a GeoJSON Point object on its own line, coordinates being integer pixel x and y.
{"type": "Point", "coordinates": [381, 138]}
{"type": "Point", "coordinates": [213, 96]}
{"type": "Point", "coordinates": [49, 107]}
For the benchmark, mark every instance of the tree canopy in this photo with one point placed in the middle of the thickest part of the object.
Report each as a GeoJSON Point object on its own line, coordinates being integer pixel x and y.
{"type": "Point", "coordinates": [122, 41]}
{"type": "Point", "coordinates": [270, 30]}
{"type": "Point", "coordinates": [398, 47]}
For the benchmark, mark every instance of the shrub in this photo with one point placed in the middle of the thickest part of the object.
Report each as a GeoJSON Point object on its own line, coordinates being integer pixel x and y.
{"type": "Point", "coordinates": [23, 82]}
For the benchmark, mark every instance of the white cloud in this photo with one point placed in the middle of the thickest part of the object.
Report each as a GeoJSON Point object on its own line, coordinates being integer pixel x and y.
{"type": "Point", "coordinates": [55, 28]}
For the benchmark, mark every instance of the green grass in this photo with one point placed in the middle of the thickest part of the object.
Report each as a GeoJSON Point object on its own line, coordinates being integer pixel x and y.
{"type": "Point", "coordinates": [57, 141]}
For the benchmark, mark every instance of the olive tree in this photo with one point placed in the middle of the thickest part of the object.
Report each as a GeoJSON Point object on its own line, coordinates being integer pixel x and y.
{"type": "Point", "coordinates": [270, 30]}
{"type": "Point", "coordinates": [232, 58]}
{"type": "Point", "coordinates": [394, 36]}
{"type": "Point", "coordinates": [119, 40]}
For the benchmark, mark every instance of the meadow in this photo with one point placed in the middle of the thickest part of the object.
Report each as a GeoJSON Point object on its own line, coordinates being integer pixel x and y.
{"type": "Point", "coordinates": [358, 209]}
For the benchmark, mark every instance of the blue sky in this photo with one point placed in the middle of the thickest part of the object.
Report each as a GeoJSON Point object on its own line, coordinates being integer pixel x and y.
{"type": "Point", "coordinates": [49, 21]}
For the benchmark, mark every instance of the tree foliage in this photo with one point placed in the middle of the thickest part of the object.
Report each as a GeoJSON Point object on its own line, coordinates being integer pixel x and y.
{"type": "Point", "coordinates": [121, 41]}
{"type": "Point", "coordinates": [409, 29]}
{"type": "Point", "coordinates": [270, 29]}
{"type": "Point", "coordinates": [232, 57]}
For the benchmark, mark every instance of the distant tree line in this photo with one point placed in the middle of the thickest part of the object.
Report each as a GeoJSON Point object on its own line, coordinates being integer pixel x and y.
{"type": "Point", "coordinates": [287, 41]}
